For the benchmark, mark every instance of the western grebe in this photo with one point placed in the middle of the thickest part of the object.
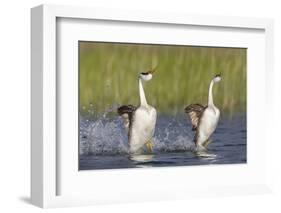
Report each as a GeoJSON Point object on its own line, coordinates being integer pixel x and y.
{"type": "Point", "coordinates": [204, 120]}
{"type": "Point", "coordinates": [139, 121]}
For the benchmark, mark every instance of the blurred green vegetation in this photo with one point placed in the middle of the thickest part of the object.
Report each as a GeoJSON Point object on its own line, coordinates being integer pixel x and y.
{"type": "Point", "coordinates": [108, 74]}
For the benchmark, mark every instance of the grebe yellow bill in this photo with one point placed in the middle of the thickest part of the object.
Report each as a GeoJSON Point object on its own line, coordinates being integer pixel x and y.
{"type": "Point", "coordinates": [140, 121]}
{"type": "Point", "coordinates": [204, 119]}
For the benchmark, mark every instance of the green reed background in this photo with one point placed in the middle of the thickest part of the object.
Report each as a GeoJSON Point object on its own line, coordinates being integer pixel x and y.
{"type": "Point", "coordinates": [109, 76]}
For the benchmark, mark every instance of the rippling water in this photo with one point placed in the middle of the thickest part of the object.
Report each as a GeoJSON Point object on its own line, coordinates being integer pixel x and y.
{"type": "Point", "coordinates": [104, 143]}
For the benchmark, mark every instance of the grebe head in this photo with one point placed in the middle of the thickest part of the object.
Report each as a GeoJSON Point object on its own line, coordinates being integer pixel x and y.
{"type": "Point", "coordinates": [146, 76]}
{"type": "Point", "coordinates": [217, 78]}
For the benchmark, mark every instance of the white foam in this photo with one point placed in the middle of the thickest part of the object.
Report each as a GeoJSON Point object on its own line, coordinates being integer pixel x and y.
{"type": "Point", "coordinates": [106, 135]}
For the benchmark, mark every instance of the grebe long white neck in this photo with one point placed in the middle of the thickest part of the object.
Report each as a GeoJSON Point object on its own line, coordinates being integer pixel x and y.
{"type": "Point", "coordinates": [210, 97]}
{"type": "Point", "coordinates": [142, 95]}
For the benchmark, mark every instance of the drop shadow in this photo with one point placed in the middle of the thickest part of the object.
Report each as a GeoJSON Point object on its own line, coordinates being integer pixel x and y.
{"type": "Point", "coordinates": [26, 200]}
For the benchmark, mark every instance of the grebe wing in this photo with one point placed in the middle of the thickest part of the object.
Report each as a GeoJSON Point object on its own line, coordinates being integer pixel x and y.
{"type": "Point", "coordinates": [126, 112]}
{"type": "Point", "coordinates": [194, 112]}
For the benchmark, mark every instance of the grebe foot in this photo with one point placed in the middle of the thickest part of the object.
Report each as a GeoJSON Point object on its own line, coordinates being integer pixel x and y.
{"type": "Point", "coordinates": [149, 146]}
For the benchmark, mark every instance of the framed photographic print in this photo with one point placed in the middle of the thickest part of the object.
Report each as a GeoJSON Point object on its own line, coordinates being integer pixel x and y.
{"type": "Point", "coordinates": [146, 105]}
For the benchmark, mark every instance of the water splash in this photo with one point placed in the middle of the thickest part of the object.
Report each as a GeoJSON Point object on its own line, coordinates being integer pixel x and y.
{"type": "Point", "coordinates": [105, 135]}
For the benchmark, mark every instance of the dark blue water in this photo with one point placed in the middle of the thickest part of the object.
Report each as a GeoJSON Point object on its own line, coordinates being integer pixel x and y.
{"type": "Point", "coordinates": [104, 144]}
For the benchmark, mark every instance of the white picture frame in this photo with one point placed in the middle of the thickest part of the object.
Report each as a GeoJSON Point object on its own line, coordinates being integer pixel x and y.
{"type": "Point", "coordinates": [46, 174]}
